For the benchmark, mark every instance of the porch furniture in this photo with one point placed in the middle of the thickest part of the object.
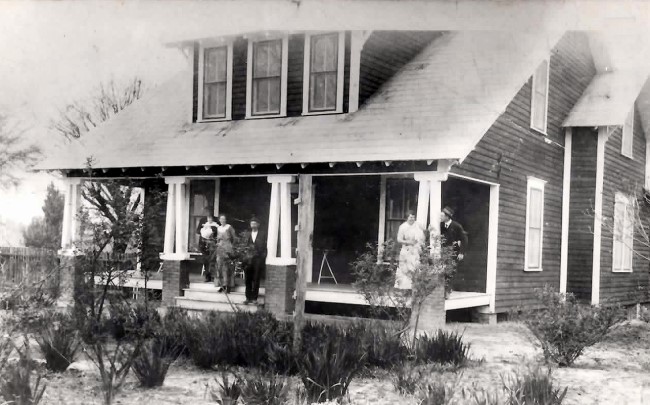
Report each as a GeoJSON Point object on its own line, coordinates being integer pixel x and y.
{"type": "Point", "coordinates": [324, 263]}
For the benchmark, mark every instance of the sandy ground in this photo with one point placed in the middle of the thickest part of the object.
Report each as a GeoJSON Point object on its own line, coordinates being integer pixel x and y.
{"type": "Point", "coordinates": [616, 371]}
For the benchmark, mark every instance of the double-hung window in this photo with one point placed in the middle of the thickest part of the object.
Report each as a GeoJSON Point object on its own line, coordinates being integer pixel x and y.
{"type": "Point", "coordinates": [539, 98]}
{"type": "Point", "coordinates": [627, 138]}
{"type": "Point", "coordinates": [323, 73]}
{"type": "Point", "coordinates": [622, 250]}
{"type": "Point", "coordinates": [215, 88]}
{"type": "Point", "coordinates": [267, 77]}
{"type": "Point", "coordinates": [534, 224]}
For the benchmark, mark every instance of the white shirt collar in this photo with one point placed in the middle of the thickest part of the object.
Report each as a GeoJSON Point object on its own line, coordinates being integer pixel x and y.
{"type": "Point", "coordinates": [447, 223]}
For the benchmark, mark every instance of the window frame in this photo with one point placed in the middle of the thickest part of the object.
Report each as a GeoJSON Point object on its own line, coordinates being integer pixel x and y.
{"type": "Point", "coordinates": [284, 38]}
{"type": "Point", "coordinates": [537, 184]}
{"type": "Point", "coordinates": [340, 74]}
{"type": "Point", "coordinates": [627, 132]}
{"type": "Point", "coordinates": [203, 46]}
{"type": "Point", "coordinates": [533, 93]}
{"type": "Point", "coordinates": [621, 198]}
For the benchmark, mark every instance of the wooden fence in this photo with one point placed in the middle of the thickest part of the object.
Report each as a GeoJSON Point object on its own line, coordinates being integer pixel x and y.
{"type": "Point", "coordinates": [24, 266]}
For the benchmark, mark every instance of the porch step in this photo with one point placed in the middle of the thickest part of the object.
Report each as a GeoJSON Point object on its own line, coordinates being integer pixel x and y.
{"type": "Point", "coordinates": [202, 305]}
{"type": "Point", "coordinates": [214, 296]}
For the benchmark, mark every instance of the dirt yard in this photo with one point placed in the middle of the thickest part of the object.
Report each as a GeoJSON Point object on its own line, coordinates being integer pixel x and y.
{"type": "Point", "coordinates": [616, 371]}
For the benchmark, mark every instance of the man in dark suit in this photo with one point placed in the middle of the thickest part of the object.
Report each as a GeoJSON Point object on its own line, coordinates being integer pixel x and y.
{"type": "Point", "coordinates": [453, 233]}
{"type": "Point", "coordinates": [256, 265]}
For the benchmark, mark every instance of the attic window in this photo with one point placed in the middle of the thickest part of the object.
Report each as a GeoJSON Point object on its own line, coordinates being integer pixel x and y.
{"type": "Point", "coordinates": [539, 98]}
{"type": "Point", "coordinates": [627, 140]}
{"type": "Point", "coordinates": [267, 78]}
{"type": "Point", "coordinates": [323, 73]}
{"type": "Point", "coordinates": [215, 88]}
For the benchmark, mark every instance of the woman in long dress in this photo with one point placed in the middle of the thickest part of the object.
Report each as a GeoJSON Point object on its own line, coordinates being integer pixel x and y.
{"type": "Point", "coordinates": [224, 279]}
{"type": "Point", "coordinates": [411, 236]}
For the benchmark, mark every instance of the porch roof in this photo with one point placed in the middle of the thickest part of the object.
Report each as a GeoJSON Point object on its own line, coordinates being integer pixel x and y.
{"type": "Point", "coordinates": [608, 99]}
{"type": "Point", "coordinates": [438, 106]}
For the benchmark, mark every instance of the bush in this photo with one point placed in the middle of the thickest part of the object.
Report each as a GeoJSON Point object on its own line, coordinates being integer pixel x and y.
{"type": "Point", "coordinates": [58, 341]}
{"type": "Point", "coordinates": [434, 393]}
{"type": "Point", "coordinates": [178, 326]}
{"type": "Point", "coordinates": [227, 391]}
{"type": "Point", "coordinates": [407, 378]}
{"type": "Point", "coordinates": [443, 348]}
{"type": "Point", "coordinates": [265, 389]}
{"type": "Point", "coordinates": [382, 344]}
{"type": "Point", "coordinates": [565, 328]}
{"type": "Point", "coordinates": [330, 359]}
{"type": "Point", "coordinates": [15, 383]}
{"type": "Point", "coordinates": [154, 358]}
{"type": "Point", "coordinates": [207, 344]}
{"type": "Point", "coordinates": [534, 387]}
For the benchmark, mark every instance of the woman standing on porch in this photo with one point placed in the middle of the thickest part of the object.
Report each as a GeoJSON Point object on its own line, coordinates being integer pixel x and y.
{"type": "Point", "coordinates": [411, 236]}
{"type": "Point", "coordinates": [224, 279]}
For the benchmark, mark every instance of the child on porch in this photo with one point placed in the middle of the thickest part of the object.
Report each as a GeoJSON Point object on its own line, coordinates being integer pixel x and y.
{"type": "Point", "coordinates": [224, 279]}
{"type": "Point", "coordinates": [207, 230]}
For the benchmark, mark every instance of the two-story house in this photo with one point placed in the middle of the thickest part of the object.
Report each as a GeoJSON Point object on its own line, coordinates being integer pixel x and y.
{"type": "Point", "coordinates": [350, 130]}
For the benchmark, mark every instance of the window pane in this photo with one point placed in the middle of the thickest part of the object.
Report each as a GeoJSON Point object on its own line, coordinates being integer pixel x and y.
{"type": "Point", "coordinates": [539, 113]}
{"type": "Point", "coordinates": [266, 96]}
{"type": "Point", "coordinates": [274, 95]}
{"type": "Point", "coordinates": [324, 53]}
{"type": "Point", "coordinates": [322, 91]}
{"type": "Point", "coordinates": [215, 64]}
{"type": "Point", "coordinates": [267, 59]}
{"type": "Point", "coordinates": [541, 75]}
{"type": "Point", "coordinates": [330, 91]}
{"type": "Point", "coordinates": [214, 100]}
{"type": "Point", "coordinates": [534, 248]}
{"type": "Point", "coordinates": [535, 207]}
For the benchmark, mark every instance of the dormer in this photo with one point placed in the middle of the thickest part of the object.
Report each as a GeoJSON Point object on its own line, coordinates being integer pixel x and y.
{"type": "Point", "coordinates": [289, 74]}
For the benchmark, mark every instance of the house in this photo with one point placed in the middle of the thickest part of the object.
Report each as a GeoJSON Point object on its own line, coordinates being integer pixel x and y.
{"type": "Point", "coordinates": [518, 132]}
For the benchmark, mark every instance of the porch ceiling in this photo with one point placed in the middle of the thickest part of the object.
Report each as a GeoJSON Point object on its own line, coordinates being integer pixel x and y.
{"type": "Point", "coordinates": [437, 107]}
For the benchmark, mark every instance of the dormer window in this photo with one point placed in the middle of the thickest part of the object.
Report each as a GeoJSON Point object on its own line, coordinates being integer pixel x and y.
{"type": "Point", "coordinates": [267, 78]}
{"type": "Point", "coordinates": [323, 74]}
{"type": "Point", "coordinates": [215, 88]}
{"type": "Point", "coordinates": [539, 98]}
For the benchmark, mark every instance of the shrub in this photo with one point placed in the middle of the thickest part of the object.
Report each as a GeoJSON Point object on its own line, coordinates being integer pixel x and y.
{"type": "Point", "coordinates": [443, 348]}
{"type": "Point", "coordinates": [178, 325]}
{"type": "Point", "coordinates": [382, 344]}
{"type": "Point", "coordinates": [207, 344]}
{"type": "Point", "coordinates": [480, 396]}
{"type": "Point", "coordinates": [227, 392]}
{"type": "Point", "coordinates": [407, 378]}
{"type": "Point", "coordinates": [58, 341]}
{"type": "Point", "coordinates": [330, 359]}
{"type": "Point", "coordinates": [565, 328]}
{"type": "Point", "coordinates": [16, 381]}
{"type": "Point", "coordinates": [153, 361]}
{"type": "Point", "coordinates": [434, 393]}
{"type": "Point", "coordinates": [265, 389]}
{"type": "Point", "coordinates": [533, 387]}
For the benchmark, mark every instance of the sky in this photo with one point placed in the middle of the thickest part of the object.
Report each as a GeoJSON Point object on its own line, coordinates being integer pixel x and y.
{"type": "Point", "coordinates": [55, 52]}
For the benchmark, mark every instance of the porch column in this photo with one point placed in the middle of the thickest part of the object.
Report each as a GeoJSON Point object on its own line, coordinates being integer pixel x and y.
{"type": "Point", "coordinates": [603, 134]}
{"type": "Point", "coordinates": [280, 217]}
{"type": "Point", "coordinates": [176, 221]}
{"type": "Point", "coordinates": [430, 199]}
{"type": "Point", "coordinates": [70, 231]}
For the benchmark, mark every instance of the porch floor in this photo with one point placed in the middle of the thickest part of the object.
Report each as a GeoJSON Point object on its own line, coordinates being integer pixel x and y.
{"type": "Point", "coordinates": [332, 293]}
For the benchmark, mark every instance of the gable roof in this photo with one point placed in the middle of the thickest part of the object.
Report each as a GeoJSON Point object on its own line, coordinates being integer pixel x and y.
{"type": "Point", "coordinates": [438, 106]}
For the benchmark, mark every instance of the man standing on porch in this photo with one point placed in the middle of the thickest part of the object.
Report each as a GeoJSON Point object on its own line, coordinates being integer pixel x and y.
{"type": "Point", "coordinates": [257, 264]}
{"type": "Point", "coordinates": [453, 233]}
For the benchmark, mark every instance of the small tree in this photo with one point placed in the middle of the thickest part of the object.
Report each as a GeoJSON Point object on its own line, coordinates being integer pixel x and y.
{"type": "Point", "coordinates": [46, 232]}
{"type": "Point", "coordinates": [15, 155]}
{"type": "Point", "coordinates": [375, 270]}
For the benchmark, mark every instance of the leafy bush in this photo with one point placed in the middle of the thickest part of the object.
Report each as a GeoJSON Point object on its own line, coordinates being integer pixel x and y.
{"type": "Point", "coordinates": [16, 381]}
{"type": "Point", "coordinates": [207, 344]}
{"type": "Point", "coordinates": [330, 359]}
{"type": "Point", "coordinates": [178, 325]}
{"type": "Point", "coordinates": [227, 392]}
{"type": "Point", "coordinates": [443, 347]}
{"type": "Point", "coordinates": [58, 341]}
{"type": "Point", "coordinates": [265, 389]}
{"type": "Point", "coordinates": [534, 387]}
{"type": "Point", "coordinates": [565, 328]}
{"type": "Point", "coordinates": [407, 378]}
{"type": "Point", "coordinates": [153, 361]}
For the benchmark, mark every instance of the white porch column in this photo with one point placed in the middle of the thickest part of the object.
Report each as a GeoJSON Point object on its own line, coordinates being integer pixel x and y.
{"type": "Point", "coordinates": [170, 219]}
{"type": "Point", "coordinates": [280, 217]}
{"type": "Point", "coordinates": [176, 223]}
{"type": "Point", "coordinates": [70, 231]}
{"type": "Point", "coordinates": [430, 199]}
{"type": "Point", "coordinates": [381, 234]}
{"type": "Point", "coordinates": [566, 194]}
{"type": "Point", "coordinates": [603, 134]}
